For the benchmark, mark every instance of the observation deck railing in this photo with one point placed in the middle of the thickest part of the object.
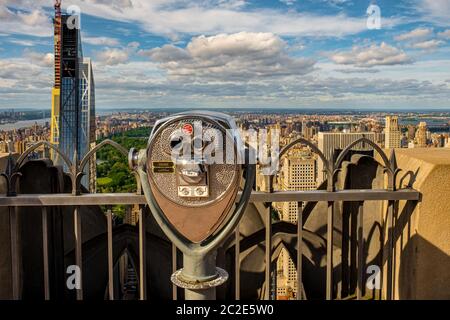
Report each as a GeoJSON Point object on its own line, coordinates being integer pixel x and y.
{"type": "Point", "coordinates": [331, 197]}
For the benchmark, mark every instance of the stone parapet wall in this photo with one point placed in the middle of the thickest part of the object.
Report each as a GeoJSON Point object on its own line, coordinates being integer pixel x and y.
{"type": "Point", "coordinates": [423, 229]}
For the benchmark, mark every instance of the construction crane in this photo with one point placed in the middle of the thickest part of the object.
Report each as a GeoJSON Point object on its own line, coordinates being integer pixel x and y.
{"type": "Point", "coordinates": [57, 32]}
{"type": "Point", "coordinates": [56, 91]}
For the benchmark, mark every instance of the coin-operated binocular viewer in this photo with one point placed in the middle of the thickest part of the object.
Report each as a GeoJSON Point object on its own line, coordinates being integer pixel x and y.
{"type": "Point", "coordinates": [194, 165]}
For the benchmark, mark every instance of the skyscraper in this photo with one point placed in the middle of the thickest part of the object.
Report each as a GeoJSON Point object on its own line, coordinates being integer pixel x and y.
{"type": "Point", "coordinates": [421, 135]}
{"type": "Point", "coordinates": [392, 133]}
{"type": "Point", "coordinates": [73, 96]}
{"type": "Point", "coordinates": [298, 173]}
{"type": "Point", "coordinates": [411, 132]}
{"type": "Point", "coordinates": [87, 132]}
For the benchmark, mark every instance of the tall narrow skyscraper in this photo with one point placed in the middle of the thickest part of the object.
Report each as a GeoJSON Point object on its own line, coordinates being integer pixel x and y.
{"type": "Point", "coordinates": [73, 96]}
{"type": "Point", "coordinates": [87, 121]}
{"type": "Point", "coordinates": [421, 135]}
{"type": "Point", "coordinates": [70, 107]}
{"type": "Point", "coordinates": [392, 133]}
{"type": "Point", "coordinates": [298, 173]}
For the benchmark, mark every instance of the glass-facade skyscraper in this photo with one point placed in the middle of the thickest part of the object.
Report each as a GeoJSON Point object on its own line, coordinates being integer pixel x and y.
{"type": "Point", "coordinates": [74, 122]}
{"type": "Point", "coordinates": [87, 121]}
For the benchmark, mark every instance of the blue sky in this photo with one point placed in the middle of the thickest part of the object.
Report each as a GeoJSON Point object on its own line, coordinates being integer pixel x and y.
{"type": "Point", "coordinates": [237, 53]}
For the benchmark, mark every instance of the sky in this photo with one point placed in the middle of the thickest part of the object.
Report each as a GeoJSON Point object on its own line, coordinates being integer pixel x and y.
{"type": "Point", "coordinates": [237, 53]}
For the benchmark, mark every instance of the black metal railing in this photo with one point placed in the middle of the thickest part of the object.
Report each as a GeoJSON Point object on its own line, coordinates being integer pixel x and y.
{"type": "Point", "coordinates": [331, 196]}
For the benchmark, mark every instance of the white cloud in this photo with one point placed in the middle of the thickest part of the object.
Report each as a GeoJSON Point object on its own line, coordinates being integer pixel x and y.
{"type": "Point", "coordinates": [22, 42]}
{"type": "Point", "coordinates": [288, 2]}
{"type": "Point", "coordinates": [38, 58]}
{"type": "Point", "coordinates": [239, 57]}
{"type": "Point", "coordinates": [338, 1]}
{"type": "Point", "coordinates": [34, 22]}
{"type": "Point", "coordinates": [289, 92]}
{"type": "Point", "coordinates": [254, 66]}
{"type": "Point", "coordinates": [227, 4]}
{"type": "Point", "coordinates": [331, 2]}
{"type": "Point", "coordinates": [12, 69]}
{"type": "Point", "coordinates": [435, 11]}
{"type": "Point", "coordinates": [25, 84]}
{"type": "Point", "coordinates": [444, 34]}
{"type": "Point", "coordinates": [115, 56]}
{"type": "Point", "coordinates": [427, 45]}
{"type": "Point", "coordinates": [419, 33]}
{"type": "Point", "coordinates": [145, 85]}
{"type": "Point", "coordinates": [112, 56]}
{"type": "Point", "coordinates": [171, 17]}
{"type": "Point", "coordinates": [351, 71]}
{"type": "Point", "coordinates": [382, 55]}
{"type": "Point", "coordinates": [422, 38]}
{"type": "Point", "coordinates": [101, 41]}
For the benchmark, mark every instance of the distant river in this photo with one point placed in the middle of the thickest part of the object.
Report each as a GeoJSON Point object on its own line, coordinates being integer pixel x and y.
{"type": "Point", "coordinates": [22, 124]}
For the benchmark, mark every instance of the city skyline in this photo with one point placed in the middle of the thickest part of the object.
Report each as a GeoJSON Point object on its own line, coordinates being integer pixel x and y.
{"type": "Point", "coordinates": [245, 54]}
{"type": "Point", "coordinates": [284, 149]}
{"type": "Point", "coordinates": [306, 137]}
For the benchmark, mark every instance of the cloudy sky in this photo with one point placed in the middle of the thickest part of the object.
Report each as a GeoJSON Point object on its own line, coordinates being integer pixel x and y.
{"type": "Point", "coordinates": [237, 53]}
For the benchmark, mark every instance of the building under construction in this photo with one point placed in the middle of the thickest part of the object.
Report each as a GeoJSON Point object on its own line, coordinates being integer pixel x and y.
{"type": "Point", "coordinates": [73, 95]}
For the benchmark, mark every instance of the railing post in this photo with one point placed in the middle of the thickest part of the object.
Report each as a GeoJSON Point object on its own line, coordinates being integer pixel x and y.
{"type": "Point", "coordinates": [390, 256]}
{"type": "Point", "coordinates": [45, 253]}
{"type": "Point", "coordinates": [78, 249]}
{"type": "Point", "coordinates": [268, 251]}
{"type": "Point", "coordinates": [329, 272]}
{"type": "Point", "coordinates": [15, 259]}
{"type": "Point", "coordinates": [361, 262]}
{"type": "Point", "coordinates": [142, 257]}
{"type": "Point", "coordinates": [392, 171]}
{"type": "Point", "coordinates": [109, 217]}
{"type": "Point", "coordinates": [300, 251]}
{"type": "Point", "coordinates": [268, 240]}
{"type": "Point", "coordinates": [237, 262]}
{"type": "Point", "coordinates": [11, 175]}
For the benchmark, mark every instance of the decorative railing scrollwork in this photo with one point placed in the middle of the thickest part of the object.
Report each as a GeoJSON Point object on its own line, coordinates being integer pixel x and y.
{"type": "Point", "coordinates": [75, 167]}
{"type": "Point", "coordinates": [328, 166]}
{"type": "Point", "coordinates": [10, 176]}
{"type": "Point", "coordinates": [332, 168]}
{"type": "Point", "coordinates": [389, 163]}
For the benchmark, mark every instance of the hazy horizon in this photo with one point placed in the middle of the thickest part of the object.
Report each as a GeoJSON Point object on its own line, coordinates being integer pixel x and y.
{"type": "Point", "coordinates": [256, 109]}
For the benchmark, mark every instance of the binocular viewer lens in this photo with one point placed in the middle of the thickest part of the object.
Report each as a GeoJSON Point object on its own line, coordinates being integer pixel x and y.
{"type": "Point", "coordinates": [180, 141]}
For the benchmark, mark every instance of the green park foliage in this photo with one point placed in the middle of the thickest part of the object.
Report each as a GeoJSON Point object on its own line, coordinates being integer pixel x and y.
{"type": "Point", "coordinates": [113, 174]}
